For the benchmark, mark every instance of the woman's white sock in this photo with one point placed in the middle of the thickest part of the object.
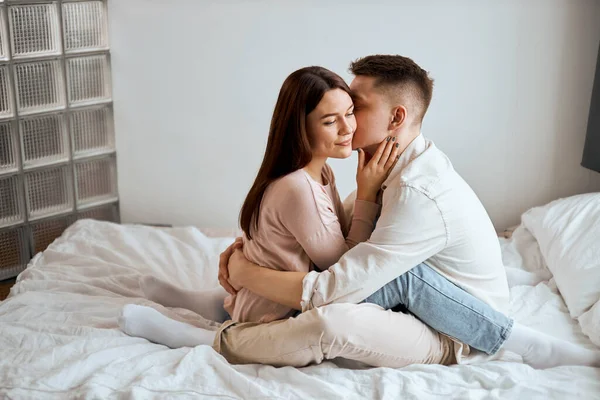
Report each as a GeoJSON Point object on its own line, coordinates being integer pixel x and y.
{"type": "Point", "coordinates": [208, 303]}
{"type": "Point", "coordinates": [147, 323]}
{"type": "Point", "coordinates": [542, 351]}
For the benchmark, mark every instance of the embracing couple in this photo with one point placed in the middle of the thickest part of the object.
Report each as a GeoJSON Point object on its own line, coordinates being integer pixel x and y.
{"type": "Point", "coordinates": [409, 271]}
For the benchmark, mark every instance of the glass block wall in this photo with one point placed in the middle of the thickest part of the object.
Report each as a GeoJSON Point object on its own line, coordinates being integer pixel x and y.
{"type": "Point", "coordinates": [57, 147]}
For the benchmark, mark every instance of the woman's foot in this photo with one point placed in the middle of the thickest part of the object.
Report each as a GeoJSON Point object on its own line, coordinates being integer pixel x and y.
{"type": "Point", "coordinates": [207, 303]}
{"type": "Point", "coordinates": [147, 323]}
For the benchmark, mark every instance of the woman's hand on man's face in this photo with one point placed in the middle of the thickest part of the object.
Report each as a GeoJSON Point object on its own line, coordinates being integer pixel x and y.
{"type": "Point", "coordinates": [371, 174]}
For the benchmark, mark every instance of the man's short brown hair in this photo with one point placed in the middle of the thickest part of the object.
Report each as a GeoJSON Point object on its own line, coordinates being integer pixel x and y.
{"type": "Point", "coordinates": [397, 74]}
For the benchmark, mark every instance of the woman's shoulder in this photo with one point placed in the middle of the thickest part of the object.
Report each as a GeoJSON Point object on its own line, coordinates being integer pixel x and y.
{"type": "Point", "coordinates": [289, 189]}
{"type": "Point", "coordinates": [290, 182]}
{"type": "Point", "coordinates": [294, 189]}
{"type": "Point", "coordinates": [297, 195]}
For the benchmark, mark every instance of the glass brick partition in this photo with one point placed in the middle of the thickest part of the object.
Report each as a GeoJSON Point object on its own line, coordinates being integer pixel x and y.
{"type": "Point", "coordinates": [57, 147]}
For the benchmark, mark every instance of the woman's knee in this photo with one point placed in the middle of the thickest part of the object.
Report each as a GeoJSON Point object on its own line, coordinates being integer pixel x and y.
{"type": "Point", "coordinates": [338, 320]}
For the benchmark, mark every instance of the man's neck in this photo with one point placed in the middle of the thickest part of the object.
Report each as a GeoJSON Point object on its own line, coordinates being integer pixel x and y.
{"type": "Point", "coordinates": [404, 138]}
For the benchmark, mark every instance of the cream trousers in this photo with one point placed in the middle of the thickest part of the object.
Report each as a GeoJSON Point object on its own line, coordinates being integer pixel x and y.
{"type": "Point", "coordinates": [361, 332]}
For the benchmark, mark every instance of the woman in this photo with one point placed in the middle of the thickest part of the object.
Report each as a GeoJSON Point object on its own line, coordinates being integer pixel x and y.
{"type": "Point", "coordinates": [292, 215]}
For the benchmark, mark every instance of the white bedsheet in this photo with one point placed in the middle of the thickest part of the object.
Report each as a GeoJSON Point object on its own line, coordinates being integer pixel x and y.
{"type": "Point", "coordinates": [59, 336]}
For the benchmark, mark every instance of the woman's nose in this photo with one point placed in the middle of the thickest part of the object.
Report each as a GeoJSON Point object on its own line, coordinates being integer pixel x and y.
{"type": "Point", "coordinates": [347, 129]}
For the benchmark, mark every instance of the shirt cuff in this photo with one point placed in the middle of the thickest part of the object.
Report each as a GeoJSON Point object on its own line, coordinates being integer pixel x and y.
{"type": "Point", "coordinates": [309, 284]}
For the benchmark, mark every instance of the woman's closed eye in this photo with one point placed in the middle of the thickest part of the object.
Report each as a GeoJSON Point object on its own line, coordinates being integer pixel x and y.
{"type": "Point", "coordinates": [333, 121]}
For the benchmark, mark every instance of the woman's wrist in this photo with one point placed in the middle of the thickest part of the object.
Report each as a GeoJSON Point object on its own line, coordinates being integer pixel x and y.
{"type": "Point", "coordinates": [372, 197]}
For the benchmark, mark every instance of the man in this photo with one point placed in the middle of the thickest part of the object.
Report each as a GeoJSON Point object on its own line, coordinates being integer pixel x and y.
{"type": "Point", "coordinates": [432, 229]}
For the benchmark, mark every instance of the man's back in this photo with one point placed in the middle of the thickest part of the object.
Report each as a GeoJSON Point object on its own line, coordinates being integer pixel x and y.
{"type": "Point", "coordinates": [471, 257]}
{"type": "Point", "coordinates": [429, 214]}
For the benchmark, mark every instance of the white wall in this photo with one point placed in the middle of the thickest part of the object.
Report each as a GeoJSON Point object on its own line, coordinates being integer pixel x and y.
{"type": "Point", "coordinates": [195, 83]}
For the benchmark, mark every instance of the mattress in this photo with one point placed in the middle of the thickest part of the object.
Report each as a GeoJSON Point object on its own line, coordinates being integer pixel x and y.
{"type": "Point", "coordinates": [59, 336]}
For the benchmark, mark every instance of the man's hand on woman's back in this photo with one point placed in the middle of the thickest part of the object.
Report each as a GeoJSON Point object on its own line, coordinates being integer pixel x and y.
{"type": "Point", "coordinates": [223, 269]}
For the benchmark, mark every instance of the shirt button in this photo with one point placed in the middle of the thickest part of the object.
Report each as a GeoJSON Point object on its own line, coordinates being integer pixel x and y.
{"type": "Point", "coordinates": [383, 187]}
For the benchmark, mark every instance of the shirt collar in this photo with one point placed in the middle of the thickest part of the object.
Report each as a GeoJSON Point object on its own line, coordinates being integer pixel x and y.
{"type": "Point", "coordinates": [412, 151]}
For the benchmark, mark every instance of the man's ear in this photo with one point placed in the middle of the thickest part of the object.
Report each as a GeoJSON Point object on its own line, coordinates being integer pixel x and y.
{"type": "Point", "coordinates": [399, 115]}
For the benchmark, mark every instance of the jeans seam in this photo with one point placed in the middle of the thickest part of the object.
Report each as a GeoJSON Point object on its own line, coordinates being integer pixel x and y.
{"type": "Point", "coordinates": [504, 334]}
{"type": "Point", "coordinates": [498, 343]}
{"type": "Point", "coordinates": [456, 301]}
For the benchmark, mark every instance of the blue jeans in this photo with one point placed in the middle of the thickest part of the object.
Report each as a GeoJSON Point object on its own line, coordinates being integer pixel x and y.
{"type": "Point", "coordinates": [446, 308]}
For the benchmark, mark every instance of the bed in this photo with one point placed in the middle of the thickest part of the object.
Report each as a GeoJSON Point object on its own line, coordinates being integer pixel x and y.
{"type": "Point", "coordinates": [59, 336]}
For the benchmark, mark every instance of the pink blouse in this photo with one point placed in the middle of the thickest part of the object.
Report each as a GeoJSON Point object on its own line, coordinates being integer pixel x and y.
{"type": "Point", "coordinates": [300, 220]}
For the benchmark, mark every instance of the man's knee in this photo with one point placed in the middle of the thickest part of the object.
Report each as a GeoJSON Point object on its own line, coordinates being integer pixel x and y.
{"type": "Point", "coordinates": [392, 294]}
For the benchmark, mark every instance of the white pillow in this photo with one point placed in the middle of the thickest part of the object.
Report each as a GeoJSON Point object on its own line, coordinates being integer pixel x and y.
{"type": "Point", "coordinates": [568, 232]}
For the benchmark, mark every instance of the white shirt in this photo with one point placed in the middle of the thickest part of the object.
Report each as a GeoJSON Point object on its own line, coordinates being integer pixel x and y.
{"type": "Point", "coordinates": [429, 214]}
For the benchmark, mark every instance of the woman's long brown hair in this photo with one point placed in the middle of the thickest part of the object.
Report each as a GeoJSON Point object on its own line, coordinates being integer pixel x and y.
{"type": "Point", "coordinates": [288, 147]}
